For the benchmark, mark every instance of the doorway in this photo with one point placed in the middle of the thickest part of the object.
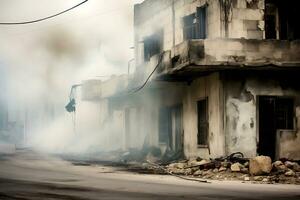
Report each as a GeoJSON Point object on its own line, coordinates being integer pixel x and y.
{"type": "Point", "coordinates": [170, 128]}
{"type": "Point", "coordinates": [274, 113]}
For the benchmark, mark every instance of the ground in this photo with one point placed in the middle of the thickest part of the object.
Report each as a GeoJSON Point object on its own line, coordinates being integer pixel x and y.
{"type": "Point", "coordinates": [28, 175]}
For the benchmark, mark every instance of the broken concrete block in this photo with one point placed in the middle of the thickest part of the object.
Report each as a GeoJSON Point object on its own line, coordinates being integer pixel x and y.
{"type": "Point", "coordinates": [258, 178]}
{"type": "Point", "coordinates": [279, 166]}
{"type": "Point", "coordinates": [245, 170]}
{"type": "Point", "coordinates": [222, 169]}
{"type": "Point", "coordinates": [198, 173]}
{"type": "Point", "coordinates": [296, 167]}
{"type": "Point", "coordinates": [177, 171]}
{"type": "Point", "coordinates": [260, 165]}
{"type": "Point", "coordinates": [236, 167]}
{"type": "Point", "coordinates": [177, 165]}
{"type": "Point", "coordinates": [188, 171]}
{"type": "Point", "coordinates": [290, 164]}
{"type": "Point", "coordinates": [277, 163]}
{"type": "Point", "coordinates": [225, 164]}
{"type": "Point", "coordinates": [290, 173]}
{"type": "Point", "coordinates": [265, 180]}
{"type": "Point", "coordinates": [216, 170]}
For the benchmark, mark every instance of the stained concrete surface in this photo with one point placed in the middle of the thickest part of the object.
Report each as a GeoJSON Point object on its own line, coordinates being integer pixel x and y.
{"type": "Point", "coordinates": [30, 175]}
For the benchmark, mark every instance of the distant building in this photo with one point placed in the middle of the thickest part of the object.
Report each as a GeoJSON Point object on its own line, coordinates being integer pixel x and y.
{"type": "Point", "coordinates": [226, 79]}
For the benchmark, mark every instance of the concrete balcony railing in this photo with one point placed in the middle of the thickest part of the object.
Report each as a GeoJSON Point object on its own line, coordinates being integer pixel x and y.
{"type": "Point", "coordinates": [217, 54]}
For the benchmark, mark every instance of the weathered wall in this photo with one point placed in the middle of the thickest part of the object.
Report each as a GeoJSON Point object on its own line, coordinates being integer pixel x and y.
{"type": "Point", "coordinates": [245, 19]}
{"type": "Point", "coordinates": [225, 19]}
{"type": "Point", "coordinates": [241, 90]}
{"type": "Point", "coordinates": [208, 86]}
{"type": "Point", "coordinates": [143, 112]}
{"type": "Point", "coordinates": [153, 15]}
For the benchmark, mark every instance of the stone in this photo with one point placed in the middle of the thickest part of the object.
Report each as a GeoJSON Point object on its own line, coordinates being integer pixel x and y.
{"type": "Point", "coordinates": [208, 172]}
{"type": "Point", "coordinates": [292, 165]}
{"type": "Point", "coordinates": [198, 163]}
{"type": "Point", "coordinates": [289, 164]}
{"type": "Point", "coordinates": [225, 164]}
{"type": "Point", "coordinates": [265, 180]}
{"type": "Point", "coordinates": [188, 171]}
{"type": "Point", "coordinates": [247, 178]}
{"type": "Point", "coordinates": [198, 173]}
{"type": "Point", "coordinates": [296, 167]}
{"type": "Point", "coordinates": [260, 165]}
{"type": "Point", "coordinates": [245, 170]}
{"type": "Point", "coordinates": [236, 167]}
{"type": "Point", "coordinates": [177, 171]}
{"type": "Point", "coordinates": [216, 170]}
{"type": "Point", "coordinates": [277, 163]}
{"type": "Point", "coordinates": [192, 161]}
{"type": "Point", "coordinates": [222, 169]}
{"type": "Point", "coordinates": [177, 165]}
{"type": "Point", "coordinates": [279, 166]}
{"type": "Point", "coordinates": [290, 173]}
{"type": "Point", "coordinates": [258, 178]}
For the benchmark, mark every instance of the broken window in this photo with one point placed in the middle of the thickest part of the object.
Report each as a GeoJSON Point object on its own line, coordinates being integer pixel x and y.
{"type": "Point", "coordinates": [202, 107]}
{"type": "Point", "coordinates": [153, 45]}
{"type": "Point", "coordinates": [281, 20]}
{"type": "Point", "coordinates": [194, 25]}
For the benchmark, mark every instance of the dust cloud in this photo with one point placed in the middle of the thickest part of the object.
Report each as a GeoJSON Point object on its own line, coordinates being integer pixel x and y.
{"type": "Point", "coordinates": [40, 62]}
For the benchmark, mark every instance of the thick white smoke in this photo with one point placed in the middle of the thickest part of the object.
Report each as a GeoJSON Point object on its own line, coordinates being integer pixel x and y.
{"type": "Point", "coordinates": [42, 61]}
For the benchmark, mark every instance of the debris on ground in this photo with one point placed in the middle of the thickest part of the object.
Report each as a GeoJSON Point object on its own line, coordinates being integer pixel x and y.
{"type": "Point", "coordinates": [259, 169]}
{"type": "Point", "coordinates": [150, 160]}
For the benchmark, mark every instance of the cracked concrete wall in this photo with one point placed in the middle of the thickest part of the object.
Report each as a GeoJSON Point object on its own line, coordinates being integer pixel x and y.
{"type": "Point", "coordinates": [141, 111]}
{"type": "Point", "coordinates": [207, 86]}
{"type": "Point", "coordinates": [154, 15]}
{"type": "Point", "coordinates": [241, 114]}
{"type": "Point", "coordinates": [246, 19]}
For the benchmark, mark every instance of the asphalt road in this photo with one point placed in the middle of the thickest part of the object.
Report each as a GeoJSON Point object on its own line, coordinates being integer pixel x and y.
{"type": "Point", "coordinates": [28, 175]}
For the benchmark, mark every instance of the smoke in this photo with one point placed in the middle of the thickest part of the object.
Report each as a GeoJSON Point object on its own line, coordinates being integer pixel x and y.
{"type": "Point", "coordinates": [40, 63]}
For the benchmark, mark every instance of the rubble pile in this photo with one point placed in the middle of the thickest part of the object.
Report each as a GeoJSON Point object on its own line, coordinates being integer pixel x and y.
{"type": "Point", "coordinates": [259, 170]}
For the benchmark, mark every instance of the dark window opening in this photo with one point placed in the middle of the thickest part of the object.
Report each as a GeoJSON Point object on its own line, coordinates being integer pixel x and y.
{"type": "Point", "coordinates": [284, 113]}
{"type": "Point", "coordinates": [274, 113]}
{"type": "Point", "coordinates": [153, 45]}
{"type": "Point", "coordinates": [194, 25]}
{"type": "Point", "coordinates": [281, 19]}
{"type": "Point", "coordinates": [202, 107]}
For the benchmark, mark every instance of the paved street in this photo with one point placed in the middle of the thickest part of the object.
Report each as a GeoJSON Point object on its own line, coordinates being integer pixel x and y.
{"type": "Point", "coordinates": [28, 175]}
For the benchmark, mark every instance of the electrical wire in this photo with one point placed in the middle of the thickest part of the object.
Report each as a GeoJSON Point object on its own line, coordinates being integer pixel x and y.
{"type": "Point", "coordinates": [45, 18]}
{"type": "Point", "coordinates": [151, 74]}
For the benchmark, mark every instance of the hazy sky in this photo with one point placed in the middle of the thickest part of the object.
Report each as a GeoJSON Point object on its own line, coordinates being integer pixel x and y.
{"type": "Point", "coordinates": [92, 40]}
{"type": "Point", "coordinates": [40, 62]}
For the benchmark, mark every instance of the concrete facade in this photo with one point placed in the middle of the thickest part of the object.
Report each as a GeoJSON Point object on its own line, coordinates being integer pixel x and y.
{"type": "Point", "coordinates": [234, 68]}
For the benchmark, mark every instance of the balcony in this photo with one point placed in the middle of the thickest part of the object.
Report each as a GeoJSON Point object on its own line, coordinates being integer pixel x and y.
{"type": "Point", "coordinates": [95, 90]}
{"type": "Point", "coordinates": [220, 54]}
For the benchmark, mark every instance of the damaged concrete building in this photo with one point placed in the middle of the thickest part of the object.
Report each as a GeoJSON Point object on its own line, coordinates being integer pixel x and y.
{"type": "Point", "coordinates": [223, 78]}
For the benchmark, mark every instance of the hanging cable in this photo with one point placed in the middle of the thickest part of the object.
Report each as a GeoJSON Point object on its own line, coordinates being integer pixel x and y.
{"type": "Point", "coordinates": [151, 74]}
{"type": "Point", "coordinates": [45, 18]}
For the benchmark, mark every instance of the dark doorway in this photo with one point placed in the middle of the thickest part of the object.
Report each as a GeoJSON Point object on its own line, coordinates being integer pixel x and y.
{"type": "Point", "coordinates": [177, 128]}
{"type": "Point", "coordinates": [274, 113]}
{"type": "Point", "coordinates": [170, 127]}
